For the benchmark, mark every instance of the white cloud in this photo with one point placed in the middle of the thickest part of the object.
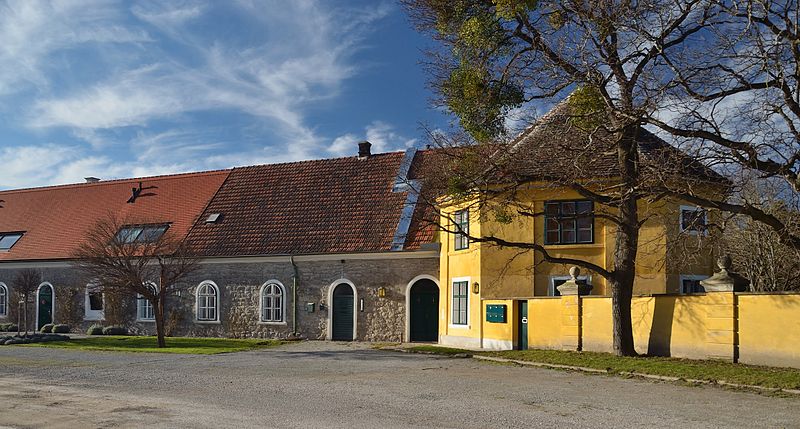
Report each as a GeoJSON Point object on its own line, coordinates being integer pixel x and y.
{"type": "Point", "coordinates": [382, 135]}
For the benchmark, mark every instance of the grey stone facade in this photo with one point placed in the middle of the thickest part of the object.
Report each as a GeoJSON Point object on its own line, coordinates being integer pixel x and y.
{"type": "Point", "coordinates": [240, 282]}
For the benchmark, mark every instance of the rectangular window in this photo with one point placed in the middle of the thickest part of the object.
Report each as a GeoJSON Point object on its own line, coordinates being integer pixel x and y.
{"type": "Point", "coordinates": [141, 233]}
{"type": "Point", "coordinates": [9, 239]}
{"type": "Point", "coordinates": [693, 219]}
{"type": "Point", "coordinates": [568, 222]}
{"type": "Point", "coordinates": [691, 284]}
{"type": "Point", "coordinates": [557, 281]}
{"type": "Point", "coordinates": [93, 304]}
{"type": "Point", "coordinates": [144, 309]}
{"type": "Point", "coordinates": [460, 302]}
{"type": "Point", "coordinates": [461, 219]}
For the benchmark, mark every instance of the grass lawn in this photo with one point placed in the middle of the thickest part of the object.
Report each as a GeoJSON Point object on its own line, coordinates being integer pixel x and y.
{"type": "Point", "coordinates": [781, 378]}
{"type": "Point", "coordinates": [197, 346]}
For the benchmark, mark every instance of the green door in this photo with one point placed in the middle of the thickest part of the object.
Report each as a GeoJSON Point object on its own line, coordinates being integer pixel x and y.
{"type": "Point", "coordinates": [45, 304]}
{"type": "Point", "coordinates": [343, 303]}
{"type": "Point", "coordinates": [424, 311]}
{"type": "Point", "coordinates": [522, 341]}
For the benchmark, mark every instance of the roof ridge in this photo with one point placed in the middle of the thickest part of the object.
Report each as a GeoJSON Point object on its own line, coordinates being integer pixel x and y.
{"type": "Point", "coordinates": [309, 161]}
{"type": "Point", "coordinates": [116, 181]}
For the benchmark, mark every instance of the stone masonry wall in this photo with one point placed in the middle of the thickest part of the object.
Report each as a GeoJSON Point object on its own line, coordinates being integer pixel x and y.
{"type": "Point", "coordinates": [383, 318]}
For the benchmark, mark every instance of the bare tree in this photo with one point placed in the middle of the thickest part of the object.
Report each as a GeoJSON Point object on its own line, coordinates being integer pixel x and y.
{"type": "Point", "coordinates": [25, 284]}
{"type": "Point", "coordinates": [500, 56]}
{"type": "Point", "coordinates": [137, 258]}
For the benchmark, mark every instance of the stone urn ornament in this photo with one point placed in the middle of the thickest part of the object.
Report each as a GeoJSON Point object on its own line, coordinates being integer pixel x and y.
{"type": "Point", "coordinates": [574, 286]}
{"type": "Point", "coordinates": [724, 280]}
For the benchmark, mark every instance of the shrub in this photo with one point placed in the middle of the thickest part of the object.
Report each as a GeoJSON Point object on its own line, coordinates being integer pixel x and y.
{"type": "Point", "coordinates": [61, 329]}
{"type": "Point", "coordinates": [8, 327]}
{"type": "Point", "coordinates": [46, 329]}
{"type": "Point", "coordinates": [115, 330]}
{"type": "Point", "coordinates": [95, 330]}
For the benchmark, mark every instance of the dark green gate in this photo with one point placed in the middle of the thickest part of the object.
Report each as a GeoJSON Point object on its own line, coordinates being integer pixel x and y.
{"type": "Point", "coordinates": [45, 306]}
{"type": "Point", "coordinates": [522, 340]}
{"type": "Point", "coordinates": [343, 307]}
{"type": "Point", "coordinates": [424, 311]}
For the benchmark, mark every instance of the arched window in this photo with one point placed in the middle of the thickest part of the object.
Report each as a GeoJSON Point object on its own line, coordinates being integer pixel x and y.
{"type": "Point", "coordinates": [272, 302]}
{"type": "Point", "coordinates": [144, 308]}
{"type": "Point", "coordinates": [3, 300]}
{"type": "Point", "coordinates": [207, 302]}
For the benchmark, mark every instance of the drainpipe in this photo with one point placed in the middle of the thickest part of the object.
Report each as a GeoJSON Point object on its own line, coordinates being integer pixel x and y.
{"type": "Point", "coordinates": [294, 296]}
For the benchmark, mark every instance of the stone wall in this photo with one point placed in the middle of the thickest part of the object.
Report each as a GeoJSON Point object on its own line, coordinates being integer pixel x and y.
{"type": "Point", "coordinates": [383, 318]}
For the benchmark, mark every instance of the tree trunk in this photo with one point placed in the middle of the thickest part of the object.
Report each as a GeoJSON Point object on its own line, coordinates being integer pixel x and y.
{"type": "Point", "coordinates": [626, 244]}
{"type": "Point", "coordinates": [158, 312]}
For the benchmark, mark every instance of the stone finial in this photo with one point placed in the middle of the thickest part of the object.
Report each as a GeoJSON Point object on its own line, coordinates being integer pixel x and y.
{"type": "Point", "coordinates": [724, 280]}
{"type": "Point", "coordinates": [573, 286]}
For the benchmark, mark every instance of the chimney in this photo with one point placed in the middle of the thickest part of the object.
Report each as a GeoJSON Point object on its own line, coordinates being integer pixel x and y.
{"type": "Point", "coordinates": [91, 179]}
{"type": "Point", "coordinates": [363, 150]}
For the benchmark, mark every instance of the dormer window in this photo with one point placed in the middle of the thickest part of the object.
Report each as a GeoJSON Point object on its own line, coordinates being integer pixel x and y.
{"type": "Point", "coordinates": [9, 239]}
{"type": "Point", "coordinates": [141, 233]}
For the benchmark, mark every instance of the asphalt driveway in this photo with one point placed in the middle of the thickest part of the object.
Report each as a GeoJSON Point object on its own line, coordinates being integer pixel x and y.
{"type": "Point", "coordinates": [318, 384]}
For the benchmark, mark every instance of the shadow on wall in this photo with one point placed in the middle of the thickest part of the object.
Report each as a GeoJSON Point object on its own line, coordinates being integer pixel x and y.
{"type": "Point", "coordinates": [660, 338]}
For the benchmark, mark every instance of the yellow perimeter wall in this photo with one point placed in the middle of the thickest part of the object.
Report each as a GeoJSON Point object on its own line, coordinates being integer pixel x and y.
{"type": "Point", "coordinates": [750, 328]}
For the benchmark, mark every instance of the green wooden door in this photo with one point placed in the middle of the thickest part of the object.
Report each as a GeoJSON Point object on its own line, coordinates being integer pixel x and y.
{"type": "Point", "coordinates": [45, 304]}
{"type": "Point", "coordinates": [522, 340]}
{"type": "Point", "coordinates": [424, 311]}
{"type": "Point", "coordinates": [343, 307]}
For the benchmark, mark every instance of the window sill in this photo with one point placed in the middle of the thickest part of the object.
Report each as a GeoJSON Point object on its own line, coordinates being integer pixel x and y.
{"type": "Point", "coordinates": [272, 323]}
{"type": "Point", "coordinates": [146, 320]}
{"type": "Point", "coordinates": [94, 319]}
{"type": "Point", "coordinates": [208, 322]}
{"type": "Point", "coordinates": [575, 246]}
{"type": "Point", "coordinates": [460, 326]}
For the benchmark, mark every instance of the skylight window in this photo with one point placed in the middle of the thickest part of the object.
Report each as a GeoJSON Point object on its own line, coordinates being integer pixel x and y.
{"type": "Point", "coordinates": [9, 239]}
{"type": "Point", "coordinates": [141, 233]}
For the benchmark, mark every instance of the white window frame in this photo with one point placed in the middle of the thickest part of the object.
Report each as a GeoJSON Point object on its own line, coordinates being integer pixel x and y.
{"type": "Point", "coordinates": [453, 281]}
{"type": "Point", "coordinates": [261, 303]}
{"type": "Point", "coordinates": [551, 287]}
{"type": "Point", "coordinates": [141, 302]}
{"type": "Point", "coordinates": [692, 231]}
{"type": "Point", "coordinates": [215, 319]}
{"type": "Point", "coordinates": [683, 277]}
{"type": "Point", "coordinates": [88, 313]}
{"type": "Point", "coordinates": [6, 296]}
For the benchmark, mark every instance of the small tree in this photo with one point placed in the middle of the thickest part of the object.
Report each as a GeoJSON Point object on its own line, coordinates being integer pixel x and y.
{"type": "Point", "coordinates": [127, 257]}
{"type": "Point", "coordinates": [24, 285]}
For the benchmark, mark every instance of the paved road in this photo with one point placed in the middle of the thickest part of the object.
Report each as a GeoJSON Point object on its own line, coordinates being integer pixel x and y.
{"type": "Point", "coordinates": [317, 384]}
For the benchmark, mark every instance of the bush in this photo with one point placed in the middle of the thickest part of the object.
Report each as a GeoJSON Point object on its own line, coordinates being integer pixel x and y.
{"type": "Point", "coordinates": [46, 329]}
{"type": "Point", "coordinates": [95, 330]}
{"type": "Point", "coordinates": [115, 330]}
{"type": "Point", "coordinates": [61, 329]}
{"type": "Point", "coordinates": [8, 327]}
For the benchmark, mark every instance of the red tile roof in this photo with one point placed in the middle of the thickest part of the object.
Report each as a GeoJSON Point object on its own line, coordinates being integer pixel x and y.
{"type": "Point", "coordinates": [56, 218]}
{"type": "Point", "coordinates": [338, 205]}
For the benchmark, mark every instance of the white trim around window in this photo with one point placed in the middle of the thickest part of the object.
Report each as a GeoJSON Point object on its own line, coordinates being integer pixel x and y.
{"type": "Point", "coordinates": [5, 296]}
{"type": "Point", "coordinates": [206, 303]}
{"type": "Point", "coordinates": [88, 312]}
{"type": "Point", "coordinates": [693, 277]}
{"type": "Point", "coordinates": [451, 299]}
{"type": "Point", "coordinates": [551, 287]}
{"type": "Point", "coordinates": [685, 208]}
{"type": "Point", "coordinates": [272, 299]}
{"type": "Point", "coordinates": [144, 308]}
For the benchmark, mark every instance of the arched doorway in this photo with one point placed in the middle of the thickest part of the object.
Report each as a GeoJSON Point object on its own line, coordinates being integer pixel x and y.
{"type": "Point", "coordinates": [342, 313]}
{"type": "Point", "coordinates": [45, 304]}
{"type": "Point", "coordinates": [423, 314]}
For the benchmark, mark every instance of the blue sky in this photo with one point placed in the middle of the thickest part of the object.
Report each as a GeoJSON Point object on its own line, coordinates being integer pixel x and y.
{"type": "Point", "coordinates": [121, 89]}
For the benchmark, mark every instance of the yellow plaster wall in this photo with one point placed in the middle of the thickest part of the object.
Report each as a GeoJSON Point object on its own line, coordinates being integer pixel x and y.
{"type": "Point", "coordinates": [500, 336]}
{"type": "Point", "coordinates": [544, 323]}
{"type": "Point", "coordinates": [769, 329]}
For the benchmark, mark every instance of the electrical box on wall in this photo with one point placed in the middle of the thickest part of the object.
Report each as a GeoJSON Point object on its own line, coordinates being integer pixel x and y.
{"type": "Point", "coordinates": [309, 307]}
{"type": "Point", "coordinates": [496, 313]}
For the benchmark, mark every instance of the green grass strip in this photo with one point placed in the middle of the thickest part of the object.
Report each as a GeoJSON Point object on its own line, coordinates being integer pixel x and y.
{"type": "Point", "coordinates": [182, 345]}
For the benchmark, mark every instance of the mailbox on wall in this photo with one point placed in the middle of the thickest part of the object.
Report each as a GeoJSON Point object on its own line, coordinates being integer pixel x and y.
{"type": "Point", "coordinates": [496, 313]}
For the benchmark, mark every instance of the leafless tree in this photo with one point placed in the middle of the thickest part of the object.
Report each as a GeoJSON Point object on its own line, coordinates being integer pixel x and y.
{"type": "Point", "coordinates": [24, 285]}
{"type": "Point", "coordinates": [134, 257]}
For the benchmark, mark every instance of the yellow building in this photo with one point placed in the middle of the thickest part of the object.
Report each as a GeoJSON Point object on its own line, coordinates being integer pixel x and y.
{"type": "Point", "coordinates": [674, 250]}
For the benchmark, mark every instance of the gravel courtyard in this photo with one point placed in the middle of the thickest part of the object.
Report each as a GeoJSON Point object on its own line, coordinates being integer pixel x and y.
{"type": "Point", "coordinates": [348, 385]}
